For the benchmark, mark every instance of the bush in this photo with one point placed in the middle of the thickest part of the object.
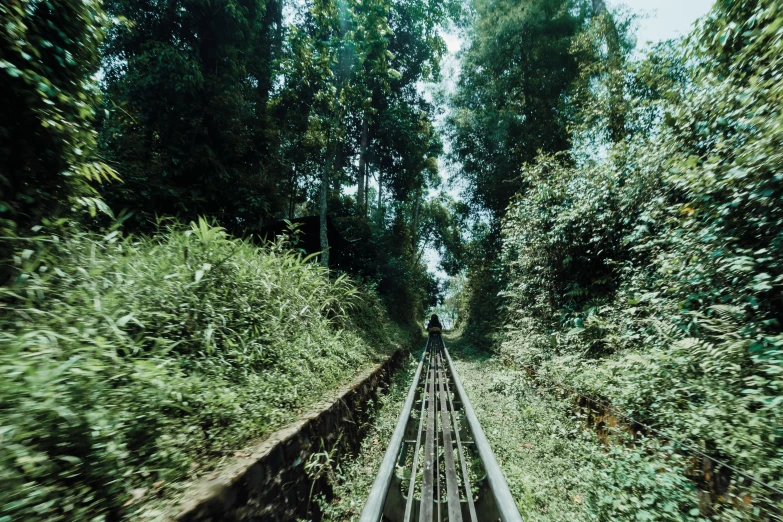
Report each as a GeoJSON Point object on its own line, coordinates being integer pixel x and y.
{"type": "Point", "coordinates": [128, 361]}
{"type": "Point", "coordinates": [652, 277]}
{"type": "Point", "coordinates": [49, 52]}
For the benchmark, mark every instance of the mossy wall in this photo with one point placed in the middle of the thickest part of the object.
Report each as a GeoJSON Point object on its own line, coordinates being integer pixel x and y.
{"type": "Point", "coordinates": [272, 482]}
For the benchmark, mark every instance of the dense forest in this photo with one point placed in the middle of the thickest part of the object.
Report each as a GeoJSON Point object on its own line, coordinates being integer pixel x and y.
{"type": "Point", "coordinates": [241, 112]}
{"type": "Point", "coordinates": [214, 212]}
{"type": "Point", "coordinates": [156, 312]}
{"type": "Point", "coordinates": [628, 249]}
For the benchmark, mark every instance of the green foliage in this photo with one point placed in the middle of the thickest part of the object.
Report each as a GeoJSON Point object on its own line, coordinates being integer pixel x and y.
{"type": "Point", "coordinates": [407, 287]}
{"type": "Point", "coordinates": [556, 468]}
{"type": "Point", "coordinates": [133, 360]}
{"type": "Point", "coordinates": [652, 277]}
{"type": "Point", "coordinates": [48, 56]}
{"type": "Point", "coordinates": [646, 482]}
{"type": "Point", "coordinates": [510, 99]}
{"type": "Point", "coordinates": [128, 361]}
{"type": "Point", "coordinates": [514, 99]}
{"type": "Point", "coordinates": [453, 309]}
{"type": "Point", "coordinates": [441, 227]}
{"type": "Point", "coordinates": [352, 479]}
{"type": "Point", "coordinates": [186, 124]}
{"type": "Point", "coordinates": [227, 110]}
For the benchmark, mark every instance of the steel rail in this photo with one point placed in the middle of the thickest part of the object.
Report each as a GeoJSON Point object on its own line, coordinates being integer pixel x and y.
{"type": "Point", "coordinates": [430, 469]}
{"type": "Point", "coordinates": [440, 498]}
{"type": "Point", "coordinates": [452, 489]}
{"type": "Point", "coordinates": [373, 508]}
{"type": "Point", "coordinates": [415, 465]}
{"type": "Point", "coordinates": [507, 508]}
{"type": "Point", "coordinates": [438, 485]}
{"type": "Point", "coordinates": [464, 466]}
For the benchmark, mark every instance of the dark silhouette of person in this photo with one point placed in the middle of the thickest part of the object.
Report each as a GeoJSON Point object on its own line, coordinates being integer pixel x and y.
{"type": "Point", "coordinates": [434, 323]}
{"type": "Point", "coordinates": [434, 328]}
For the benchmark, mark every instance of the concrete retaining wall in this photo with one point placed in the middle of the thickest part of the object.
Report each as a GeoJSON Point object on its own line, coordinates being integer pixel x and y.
{"type": "Point", "coordinates": [270, 483]}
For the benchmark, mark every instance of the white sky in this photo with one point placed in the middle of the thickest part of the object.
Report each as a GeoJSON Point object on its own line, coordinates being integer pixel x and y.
{"type": "Point", "coordinates": [659, 20]}
{"type": "Point", "coordinates": [666, 18]}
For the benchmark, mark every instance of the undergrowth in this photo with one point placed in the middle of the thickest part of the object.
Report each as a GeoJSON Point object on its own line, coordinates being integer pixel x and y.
{"type": "Point", "coordinates": [131, 363]}
{"type": "Point", "coordinates": [556, 467]}
{"type": "Point", "coordinates": [352, 478]}
{"type": "Point", "coordinates": [651, 278]}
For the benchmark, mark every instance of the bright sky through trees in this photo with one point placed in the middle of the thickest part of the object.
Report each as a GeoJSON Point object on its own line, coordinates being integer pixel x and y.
{"type": "Point", "coordinates": [666, 18]}
{"type": "Point", "coordinates": [660, 20]}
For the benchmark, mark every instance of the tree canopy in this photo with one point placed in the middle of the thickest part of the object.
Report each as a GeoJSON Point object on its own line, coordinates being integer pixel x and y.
{"type": "Point", "coordinates": [633, 203]}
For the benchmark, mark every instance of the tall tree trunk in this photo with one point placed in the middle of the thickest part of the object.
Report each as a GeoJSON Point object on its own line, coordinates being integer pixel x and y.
{"type": "Point", "coordinates": [362, 165]}
{"type": "Point", "coordinates": [323, 230]}
{"type": "Point", "coordinates": [367, 179]}
{"type": "Point", "coordinates": [366, 176]}
{"type": "Point", "coordinates": [337, 169]}
{"type": "Point", "coordinates": [380, 198]}
{"type": "Point", "coordinates": [331, 158]}
{"type": "Point", "coordinates": [341, 73]}
{"type": "Point", "coordinates": [292, 195]}
{"type": "Point", "coordinates": [416, 210]}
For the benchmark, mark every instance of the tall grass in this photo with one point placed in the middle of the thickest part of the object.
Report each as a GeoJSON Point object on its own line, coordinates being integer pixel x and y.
{"type": "Point", "coordinates": [129, 361]}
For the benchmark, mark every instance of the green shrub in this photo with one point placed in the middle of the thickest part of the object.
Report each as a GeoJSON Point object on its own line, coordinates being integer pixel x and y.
{"type": "Point", "coordinates": [643, 482]}
{"type": "Point", "coordinates": [49, 52]}
{"type": "Point", "coordinates": [130, 360]}
{"type": "Point", "coordinates": [652, 277]}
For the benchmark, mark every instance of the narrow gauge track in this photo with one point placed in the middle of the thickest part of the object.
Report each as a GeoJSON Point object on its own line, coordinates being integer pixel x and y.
{"type": "Point", "coordinates": [439, 466]}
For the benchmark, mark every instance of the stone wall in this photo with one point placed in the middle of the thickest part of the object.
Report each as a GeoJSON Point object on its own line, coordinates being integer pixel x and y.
{"type": "Point", "coordinates": [269, 482]}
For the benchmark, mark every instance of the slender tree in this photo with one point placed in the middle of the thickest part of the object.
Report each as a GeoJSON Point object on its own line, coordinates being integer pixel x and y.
{"type": "Point", "coordinates": [187, 89]}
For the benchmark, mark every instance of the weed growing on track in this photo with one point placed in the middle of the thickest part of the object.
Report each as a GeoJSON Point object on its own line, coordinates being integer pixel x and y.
{"type": "Point", "coordinates": [556, 469]}
{"type": "Point", "coordinates": [132, 363]}
{"type": "Point", "coordinates": [352, 479]}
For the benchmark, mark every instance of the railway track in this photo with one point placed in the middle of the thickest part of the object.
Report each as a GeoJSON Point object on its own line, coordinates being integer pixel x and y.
{"type": "Point", "coordinates": [439, 466]}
